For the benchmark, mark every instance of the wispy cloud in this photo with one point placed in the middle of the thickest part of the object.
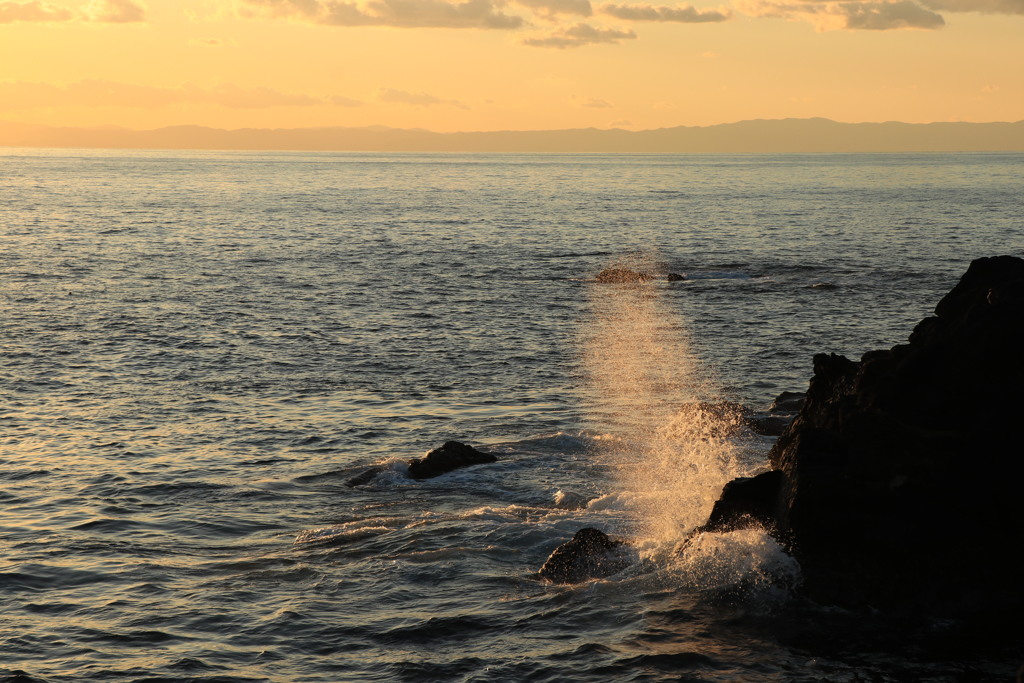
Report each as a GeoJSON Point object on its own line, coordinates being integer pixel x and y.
{"type": "Point", "coordinates": [19, 95]}
{"type": "Point", "coordinates": [100, 11]}
{"type": "Point", "coordinates": [884, 16]}
{"type": "Point", "coordinates": [115, 11]}
{"type": "Point", "coordinates": [399, 13]}
{"type": "Point", "coordinates": [687, 14]}
{"type": "Point", "coordinates": [580, 35]}
{"type": "Point", "coordinates": [870, 15]}
{"type": "Point", "coordinates": [982, 6]}
{"type": "Point", "coordinates": [505, 15]}
{"type": "Point", "coordinates": [422, 99]}
{"type": "Point", "coordinates": [33, 11]}
{"type": "Point", "coordinates": [581, 8]}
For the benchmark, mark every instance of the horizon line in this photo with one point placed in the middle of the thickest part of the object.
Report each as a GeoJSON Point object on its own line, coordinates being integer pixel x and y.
{"type": "Point", "coordinates": [788, 135]}
{"type": "Point", "coordinates": [612, 128]}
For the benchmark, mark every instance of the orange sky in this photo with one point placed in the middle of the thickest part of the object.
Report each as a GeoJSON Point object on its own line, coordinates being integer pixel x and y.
{"type": "Point", "coordinates": [450, 65]}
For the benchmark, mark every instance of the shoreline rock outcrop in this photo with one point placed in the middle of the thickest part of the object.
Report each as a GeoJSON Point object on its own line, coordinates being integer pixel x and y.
{"type": "Point", "coordinates": [899, 483]}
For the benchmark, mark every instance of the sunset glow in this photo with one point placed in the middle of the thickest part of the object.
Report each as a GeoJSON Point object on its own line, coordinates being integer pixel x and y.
{"type": "Point", "coordinates": [506, 64]}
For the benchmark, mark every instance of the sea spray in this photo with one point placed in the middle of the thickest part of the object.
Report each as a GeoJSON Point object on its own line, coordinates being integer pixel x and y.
{"type": "Point", "coordinates": [744, 562]}
{"type": "Point", "coordinates": [670, 448]}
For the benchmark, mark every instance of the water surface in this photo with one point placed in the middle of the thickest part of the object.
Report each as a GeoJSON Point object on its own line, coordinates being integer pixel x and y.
{"type": "Point", "coordinates": [199, 349]}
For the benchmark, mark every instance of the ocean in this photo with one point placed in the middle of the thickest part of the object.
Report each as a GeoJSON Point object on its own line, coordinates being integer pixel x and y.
{"type": "Point", "coordinates": [200, 349]}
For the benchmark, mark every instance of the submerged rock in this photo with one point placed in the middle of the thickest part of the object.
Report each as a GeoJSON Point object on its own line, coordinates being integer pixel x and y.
{"type": "Point", "coordinates": [366, 476]}
{"type": "Point", "coordinates": [591, 554]}
{"type": "Point", "coordinates": [452, 455]}
{"type": "Point", "coordinates": [898, 485]}
{"type": "Point", "coordinates": [620, 275]}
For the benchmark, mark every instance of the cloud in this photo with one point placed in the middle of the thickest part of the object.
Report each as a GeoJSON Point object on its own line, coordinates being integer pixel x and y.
{"type": "Point", "coordinates": [342, 101]}
{"type": "Point", "coordinates": [33, 11]}
{"type": "Point", "coordinates": [552, 7]}
{"type": "Point", "coordinates": [883, 16]}
{"type": "Point", "coordinates": [580, 35]}
{"type": "Point", "coordinates": [399, 13]}
{"type": "Point", "coordinates": [98, 93]}
{"type": "Point", "coordinates": [598, 104]}
{"type": "Point", "coordinates": [287, 8]}
{"type": "Point", "coordinates": [115, 11]}
{"type": "Point", "coordinates": [983, 6]}
{"type": "Point", "coordinates": [871, 15]}
{"type": "Point", "coordinates": [393, 96]}
{"type": "Point", "coordinates": [687, 14]}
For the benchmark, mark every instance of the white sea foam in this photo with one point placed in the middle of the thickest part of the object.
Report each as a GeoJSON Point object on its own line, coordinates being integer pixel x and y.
{"type": "Point", "coordinates": [748, 558]}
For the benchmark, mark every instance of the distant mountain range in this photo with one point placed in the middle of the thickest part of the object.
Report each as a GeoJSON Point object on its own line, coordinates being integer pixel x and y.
{"type": "Point", "coordinates": [758, 136]}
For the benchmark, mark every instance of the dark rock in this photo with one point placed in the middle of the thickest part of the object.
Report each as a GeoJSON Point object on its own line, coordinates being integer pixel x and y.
{"type": "Point", "coordinates": [451, 456]}
{"type": "Point", "coordinates": [676, 277]}
{"type": "Point", "coordinates": [591, 554]}
{"type": "Point", "coordinates": [622, 275]}
{"type": "Point", "coordinates": [898, 485]}
{"type": "Point", "coordinates": [745, 502]}
{"type": "Point", "coordinates": [788, 402]}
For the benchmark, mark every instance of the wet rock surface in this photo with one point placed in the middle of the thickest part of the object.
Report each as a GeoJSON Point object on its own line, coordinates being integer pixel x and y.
{"type": "Point", "coordinates": [450, 456]}
{"type": "Point", "coordinates": [898, 485]}
{"type": "Point", "coordinates": [591, 554]}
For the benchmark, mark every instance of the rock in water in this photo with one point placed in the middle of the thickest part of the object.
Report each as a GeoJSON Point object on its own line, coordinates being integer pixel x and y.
{"type": "Point", "coordinates": [898, 485]}
{"type": "Point", "coordinates": [591, 554]}
{"type": "Point", "coordinates": [450, 456]}
{"type": "Point", "coordinates": [788, 402]}
{"type": "Point", "coordinates": [620, 275]}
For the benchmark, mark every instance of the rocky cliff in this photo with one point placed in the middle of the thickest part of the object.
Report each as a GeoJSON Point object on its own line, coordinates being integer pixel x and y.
{"type": "Point", "coordinates": [899, 484]}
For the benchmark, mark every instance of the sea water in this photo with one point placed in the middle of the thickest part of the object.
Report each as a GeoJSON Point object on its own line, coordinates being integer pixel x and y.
{"type": "Point", "coordinates": [199, 350]}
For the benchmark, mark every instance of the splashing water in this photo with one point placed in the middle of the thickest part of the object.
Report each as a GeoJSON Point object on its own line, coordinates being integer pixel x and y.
{"type": "Point", "coordinates": [669, 447]}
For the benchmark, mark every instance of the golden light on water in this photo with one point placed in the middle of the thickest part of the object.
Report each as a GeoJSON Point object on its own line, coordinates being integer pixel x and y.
{"type": "Point", "coordinates": [645, 385]}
